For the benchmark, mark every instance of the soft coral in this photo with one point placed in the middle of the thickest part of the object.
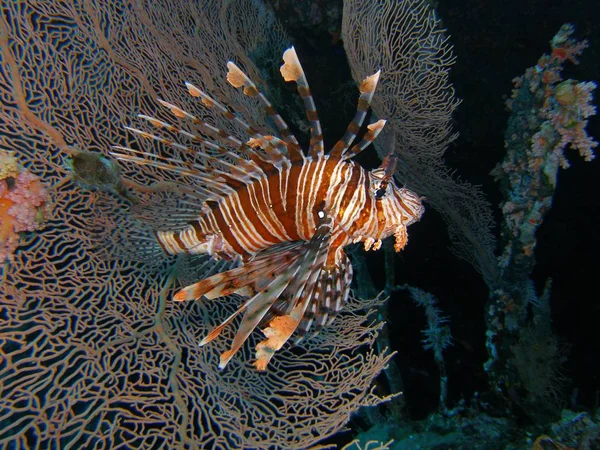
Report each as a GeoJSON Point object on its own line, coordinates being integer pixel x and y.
{"type": "Point", "coordinates": [23, 204]}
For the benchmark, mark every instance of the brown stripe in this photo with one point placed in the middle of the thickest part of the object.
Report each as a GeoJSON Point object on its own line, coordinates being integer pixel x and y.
{"type": "Point", "coordinates": [354, 150]}
{"type": "Point", "coordinates": [160, 242]}
{"type": "Point", "coordinates": [264, 164]}
{"type": "Point", "coordinates": [330, 167]}
{"type": "Point", "coordinates": [289, 219]}
{"type": "Point", "coordinates": [310, 186]}
{"type": "Point", "coordinates": [285, 219]}
{"type": "Point", "coordinates": [363, 105]}
{"type": "Point", "coordinates": [270, 110]}
{"type": "Point", "coordinates": [316, 139]}
{"type": "Point", "coordinates": [197, 230]}
{"type": "Point", "coordinates": [353, 127]}
{"type": "Point", "coordinates": [380, 217]}
{"type": "Point", "coordinates": [226, 231]}
{"type": "Point", "coordinates": [303, 91]}
{"type": "Point", "coordinates": [177, 237]}
{"type": "Point", "coordinates": [337, 149]}
{"type": "Point", "coordinates": [312, 115]}
{"type": "Point", "coordinates": [403, 206]}
{"type": "Point", "coordinates": [351, 187]}
{"type": "Point", "coordinates": [229, 115]}
{"type": "Point", "coordinates": [365, 215]}
{"type": "Point", "coordinates": [250, 91]}
{"type": "Point", "coordinates": [233, 182]}
{"type": "Point", "coordinates": [212, 204]}
{"type": "Point", "coordinates": [295, 153]}
{"type": "Point", "coordinates": [369, 136]}
{"type": "Point", "coordinates": [252, 215]}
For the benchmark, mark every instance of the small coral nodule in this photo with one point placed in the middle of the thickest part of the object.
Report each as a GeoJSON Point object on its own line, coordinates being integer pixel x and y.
{"type": "Point", "coordinates": [93, 171]}
{"type": "Point", "coordinates": [24, 204]}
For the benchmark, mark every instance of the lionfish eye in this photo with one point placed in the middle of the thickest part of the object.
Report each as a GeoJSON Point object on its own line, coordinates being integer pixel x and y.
{"type": "Point", "coordinates": [380, 193]}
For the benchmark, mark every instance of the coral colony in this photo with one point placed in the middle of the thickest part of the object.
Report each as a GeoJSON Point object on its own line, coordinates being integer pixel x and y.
{"type": "Point", "coordinates": [24, 204]}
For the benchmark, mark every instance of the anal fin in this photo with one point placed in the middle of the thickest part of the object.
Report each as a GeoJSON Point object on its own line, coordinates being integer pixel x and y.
{"type": "Point", "coordinates": [333, 288]}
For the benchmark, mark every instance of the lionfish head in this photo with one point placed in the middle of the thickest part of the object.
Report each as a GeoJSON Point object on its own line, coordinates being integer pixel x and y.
{"type": "Point", "coordinates": [397, 208]}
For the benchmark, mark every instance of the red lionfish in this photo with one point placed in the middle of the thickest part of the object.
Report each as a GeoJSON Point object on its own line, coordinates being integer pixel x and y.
{"type": "Point", "coordinates": [285, 213]}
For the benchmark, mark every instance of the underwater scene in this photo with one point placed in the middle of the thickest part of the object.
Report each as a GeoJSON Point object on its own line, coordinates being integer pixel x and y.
{"type": "Point", "coordinates": [274, 224]}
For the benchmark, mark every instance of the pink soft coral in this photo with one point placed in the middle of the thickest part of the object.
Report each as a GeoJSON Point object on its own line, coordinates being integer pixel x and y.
{"type": "Point", "coordinates": [23, 206]}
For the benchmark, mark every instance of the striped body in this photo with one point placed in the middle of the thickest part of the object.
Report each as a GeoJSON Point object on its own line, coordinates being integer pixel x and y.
{"type": "Point", "coordinates": [286, 214]}
{"type": "Point", "coordinates": [283, 206]}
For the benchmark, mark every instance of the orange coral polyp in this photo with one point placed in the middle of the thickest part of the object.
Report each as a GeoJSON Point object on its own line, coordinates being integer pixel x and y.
{"type": "Point", "coordinates": [560, 53]}
{"type": "Point", "coordinates": [7, 222]}
{"type": "Point", "coordinates": [23, 203]}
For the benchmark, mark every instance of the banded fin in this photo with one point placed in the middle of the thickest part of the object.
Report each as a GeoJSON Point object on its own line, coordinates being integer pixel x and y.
{"type": "Point", "coordinates": [242, 169]}
{"type": "Point", "coordinates": [301, 293]}
{"type": "Point", "coordinates": [171, 210]}
{"type": "Point", "coordinates": [219, 181]}
{"type": "Point", "coordinates": [330, 298]}
{"type": "Point", "coordinates": [213, 168]}
{"type": "Point", "coordinates": [203, 179]}
{"type": "Point", "coordinates": [292, 70]}
{"type": "Point", "coordinates": [373, 131]}
{"type": "Point", "coordinates": [244, 278]}
{"type": "Point", "coordinates": [197, 123]}
{"type": "Point", "coordinates": [275, 149]}
{"type": "Point", "coordinates": [289, 271]}
{"type": "Point", "coordinates": [238, 79]}
{"type": "Point", "coordinates": [211, 103]}
{"type": "Point", "coordinates": [206, 127]}
{"type": "Point", "coordinates": [367, 89]}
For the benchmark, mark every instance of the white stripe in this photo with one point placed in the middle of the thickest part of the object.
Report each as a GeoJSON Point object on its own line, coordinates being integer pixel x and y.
{"type": "Point", "coordinates": [357, 201]}
{"type": "Point", "coordinates": [241, 227]}
{"type": "Point", "coordinates": [300, 199]}
{"type": "Point", "coordinates": [314, 190]}
{"type": "Point", "coordinates": [270, 219]}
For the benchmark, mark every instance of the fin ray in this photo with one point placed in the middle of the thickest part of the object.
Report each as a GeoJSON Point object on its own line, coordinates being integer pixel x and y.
{"type": "Point", "coordinates": [373, 131]}
{"type": "Point", "coordinates": [238, 79]}
{"type": "Point", "coordinates": [299, 268]}
{"type": "Point", "coordinates": [367, 89]}
{"type": "Point", "coordinates": [292, 70]}
{"type": "Point", "coordinates": [229, 282]}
